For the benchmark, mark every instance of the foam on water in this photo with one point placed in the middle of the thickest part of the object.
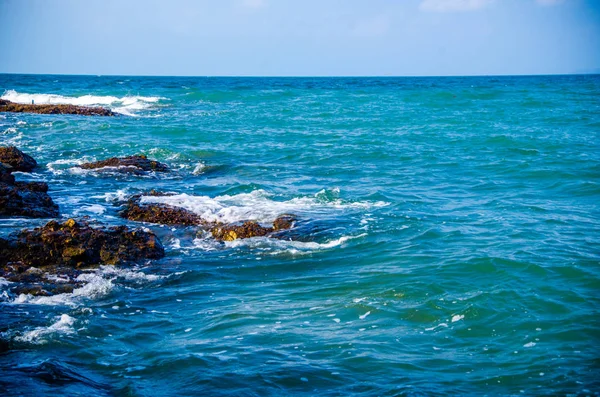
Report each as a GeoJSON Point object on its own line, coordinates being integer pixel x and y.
{"type": "Point", "coordinates": [275, 246]}
{"type": "Point", "coordinates": [64, 325]}
{"type": "Point", "coordinates": [96, 284]}
{"type": "Point", "coordinates": [257, 205]}
{"type": "Point", "coordinates": [125, 105]}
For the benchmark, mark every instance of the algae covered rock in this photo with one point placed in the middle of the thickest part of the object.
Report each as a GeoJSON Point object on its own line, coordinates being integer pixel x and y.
{"type": "Point", "coordinates": [132, 164]}
{"type": "Point", "coordinates": [76, 244]}
{"type": "Point", "coordinates": [47, 260]}
{"type": "Point", "coordinates": [16, 159]}
{"type": "Point", "coordinates": [250, 229]}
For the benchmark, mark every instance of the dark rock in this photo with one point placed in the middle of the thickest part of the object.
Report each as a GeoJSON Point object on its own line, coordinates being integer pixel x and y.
{"type": "Point", "coordinates": [29, 199]}
{"type": "Point", "coordinates": [56, 249]}
{"type": "Point", "coordinates": [246, 230]}
{"type": "Point", "coordinates": [18, 160]}
{"type": "Point", "coordinates": [251, 229]}
{"type": "Point", "coordinates": [131, 164]}
{"type": "Point", "coordinates": [8, 106]}
{"type": "Point", "coordinates": [159, 213]}
{"type": "Point", "coordinates": [5, 174]}
{"type": "Point", "coordinates": [284, 222]}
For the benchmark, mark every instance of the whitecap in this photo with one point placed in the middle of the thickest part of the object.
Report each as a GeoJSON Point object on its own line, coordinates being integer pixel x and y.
{"type": "Point", "coordinates": [124, 105]}
{"type": "Point", "coordinates": [64, 325]}
{"type": "Point", "coordinates": [96, 284]}
{"type": "Point", "coordinates": [257, 205]}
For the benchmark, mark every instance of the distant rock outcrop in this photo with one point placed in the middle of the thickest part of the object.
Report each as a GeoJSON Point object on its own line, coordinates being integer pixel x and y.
{"type": "Point", "coordinates": [8, 106]}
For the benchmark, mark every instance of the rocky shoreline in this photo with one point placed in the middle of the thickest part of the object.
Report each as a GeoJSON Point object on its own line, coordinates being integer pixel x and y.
{"type": "Point", "coordinates": [49, 259]}
{"type": "Point", "coordinates": [8, 106]}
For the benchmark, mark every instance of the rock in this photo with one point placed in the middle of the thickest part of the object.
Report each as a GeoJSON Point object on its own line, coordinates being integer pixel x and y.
{"type": "Point", "coordinates": [18, 160]}
{"type": "Point", "coordinates": [29, 199]}
{"type": "Point", "coordinates": [77, 244]}
{"type": "Point", "coordinates": [284, 222]}
{"type": "Point", "coordinates": [159, 213]}
{"type": "Point", "coordinates": [5, 174]}
{"type": "Point", "coordinates": [251, 229]}
{"type": "Point", "coordinates": [8, 106]}
{"type": "Point", "coordinates": [63, 250]}
{"type": "Point", "coordinates": [246, 230]}
{"type": "Point", "coordinates": [131, 164]}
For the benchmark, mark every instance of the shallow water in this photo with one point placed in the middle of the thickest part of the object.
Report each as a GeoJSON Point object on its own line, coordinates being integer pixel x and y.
{"type": "Point", "coordinates": [448, 241]}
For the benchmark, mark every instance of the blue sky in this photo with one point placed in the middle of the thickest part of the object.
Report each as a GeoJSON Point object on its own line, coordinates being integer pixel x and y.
{"type": "Point", "coordinates": [300, 37]}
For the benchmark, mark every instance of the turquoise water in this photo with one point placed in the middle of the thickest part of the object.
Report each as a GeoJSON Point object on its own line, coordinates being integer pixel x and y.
{"type": "Point", "coordinates": [448, 238]}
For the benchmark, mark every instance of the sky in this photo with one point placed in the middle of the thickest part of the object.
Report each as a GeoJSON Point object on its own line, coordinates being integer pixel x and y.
{"type": "Point", "coordinates": [300, 37]}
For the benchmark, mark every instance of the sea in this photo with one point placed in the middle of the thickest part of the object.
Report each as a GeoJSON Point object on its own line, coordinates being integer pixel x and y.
{"type": "Point", "coordinates": [447, 240]}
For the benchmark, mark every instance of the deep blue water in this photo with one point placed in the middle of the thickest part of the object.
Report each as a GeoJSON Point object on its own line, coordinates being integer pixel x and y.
{"type": "Point", "coordinates": [448, 238]}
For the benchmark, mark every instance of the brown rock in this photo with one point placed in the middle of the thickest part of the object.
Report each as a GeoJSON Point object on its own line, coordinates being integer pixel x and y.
{"type": "Point", "coordinates": [28, 257]}
{"type": "Point", "coordinates": [18, 160]}
{"type": "Point", "coordinates": [8, 106]}
{"type": "Point", "coordinates": [251, 229]}
{"type": "Point", "coordinates": [131, 164]}
{"type": "Point", "coordinates": [159, 213]}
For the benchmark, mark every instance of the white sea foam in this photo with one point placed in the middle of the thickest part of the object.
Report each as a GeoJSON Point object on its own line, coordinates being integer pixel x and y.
{"type": "Point", "coordinates": [97, 284]}
{"type": "Point", "coordinates": [124, 105]}
{"type": "Point", "coordinates": [94, 208]}
{"type": "Point", "coordinates": [64, 325]}
{"type": "Point", "coordinates": [276, 246]}
{"type": "Point", "coordinates": [4, 282]}
{"type": "Point", "coordinates": [257, 205]}
{"type": "Point", "coordinates": [119, 195]}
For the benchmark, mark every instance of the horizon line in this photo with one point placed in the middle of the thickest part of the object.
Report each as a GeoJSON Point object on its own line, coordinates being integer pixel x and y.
{"type": "Point", "coordinates": [306, 76]}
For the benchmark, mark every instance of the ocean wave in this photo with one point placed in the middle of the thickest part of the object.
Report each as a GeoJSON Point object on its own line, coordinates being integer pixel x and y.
{"type": "Point", "coordinates": [125, 105]}
{"type": "Point", "coordinates": [64, 326]}
{"type": "Point", "coordinates": [257, 205]}
{"type": "Point", "coordinates": [271, 246]}
{"type": "Point", "coordinates": [96, 284]}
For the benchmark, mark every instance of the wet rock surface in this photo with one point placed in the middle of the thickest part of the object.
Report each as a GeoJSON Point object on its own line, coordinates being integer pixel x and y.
{"type": "Point", "coordinates": [28, 199]}
{"type": "Point", "coordinates": [169, 215]}
{"type": "Point", "coordinates": [47, 260]}
{"type": "Point", "coordinates": [159, 213]}
{"type": "Point", "coordinates": [251, 229]}
{"type": "Point", "coordinates": [137, 164]}
{"type": "Point", "coordinates": [8, 106]}
{"type": "Point", "coordinates": [16, 159]}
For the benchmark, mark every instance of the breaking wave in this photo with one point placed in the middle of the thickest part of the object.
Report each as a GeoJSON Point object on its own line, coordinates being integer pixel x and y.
{"type": "Point", "coordinates": [257, 205]}
{"type": "Point", "coordinates": [126, 105]}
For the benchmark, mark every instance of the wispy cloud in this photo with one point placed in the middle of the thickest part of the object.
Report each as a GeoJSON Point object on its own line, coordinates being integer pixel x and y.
{"type": "Point", "coordinates": [455, 5]}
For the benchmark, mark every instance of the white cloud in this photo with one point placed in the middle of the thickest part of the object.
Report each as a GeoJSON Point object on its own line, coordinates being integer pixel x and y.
{"type": "Point", "coordinates": [549, 2]}
{"type": "Point", "coordinates": [455, 5]}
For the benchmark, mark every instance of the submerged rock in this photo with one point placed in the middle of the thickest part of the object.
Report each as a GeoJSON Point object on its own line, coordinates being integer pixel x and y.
{"type": "Point", "coordinates": [47, 260]}
{"type": "Point", "coordinates": [8, 106]}
{"type": "Point", "coordinates": [15, 158]}
{"type": "Point", "coordinates": [29, 199]}
{"type": "Point", "coordinates": [251, 229]}
{"type": "Point", "coordinates": [131, 164]}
